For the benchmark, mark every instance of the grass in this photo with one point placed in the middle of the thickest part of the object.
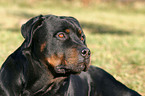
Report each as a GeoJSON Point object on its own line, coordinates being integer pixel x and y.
{"type": "Point", "coordinates": [115, 34]}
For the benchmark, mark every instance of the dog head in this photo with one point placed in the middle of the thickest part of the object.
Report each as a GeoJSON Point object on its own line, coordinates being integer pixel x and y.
{"type": "Point", "coordinates": [58, 42]}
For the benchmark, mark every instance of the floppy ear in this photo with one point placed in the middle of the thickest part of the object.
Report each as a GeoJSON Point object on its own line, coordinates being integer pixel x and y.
{"type": "Point", "coordinates": [29, 28]}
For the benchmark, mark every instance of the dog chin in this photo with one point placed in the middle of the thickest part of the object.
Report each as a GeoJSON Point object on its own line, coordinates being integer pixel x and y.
{"type": "Point", "coordinates": [62, 70]}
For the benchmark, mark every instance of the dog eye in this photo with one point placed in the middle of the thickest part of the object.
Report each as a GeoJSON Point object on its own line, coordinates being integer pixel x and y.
{"type": "Point", "coordinates": [82, 38]}
{"type": "Point", "coordinates": [61, 35]}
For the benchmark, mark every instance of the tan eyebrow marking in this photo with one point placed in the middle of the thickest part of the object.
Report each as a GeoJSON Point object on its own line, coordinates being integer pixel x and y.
{"type": "Point", "coordinates": [67, 30]}
{"type": "Point", "coordinates": [80, 31]}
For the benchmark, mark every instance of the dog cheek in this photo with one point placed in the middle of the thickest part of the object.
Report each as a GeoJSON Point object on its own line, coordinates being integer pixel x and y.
{"type": "Point", "coordinates": [42, 46]}
{"type": "Point", "coordinates": [54, 60]}
{"type": "Point", "coordinates": [72, 56]}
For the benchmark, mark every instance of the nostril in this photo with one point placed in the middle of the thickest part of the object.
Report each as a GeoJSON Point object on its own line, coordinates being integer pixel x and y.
{"type": "Point", "coordinates": [86, 53]}
{"type": "Point", "coordinates": [89, 53]}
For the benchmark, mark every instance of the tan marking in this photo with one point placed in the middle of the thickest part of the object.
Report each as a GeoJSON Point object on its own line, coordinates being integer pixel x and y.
{"type": "Point", "coordinates": [72, 57]}
{"type": "Point", "coordinates": [65, 62]}
{"type": "Point", "coordinates": [54, 60]}
{"type": "Point", "coordinates": [80, 31]}
{"type": "Point", "coordinates": [67, 30]}
{"type": "Point", "coordinates": [42, 46]}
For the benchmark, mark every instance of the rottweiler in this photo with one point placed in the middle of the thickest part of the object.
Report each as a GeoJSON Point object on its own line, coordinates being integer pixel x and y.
{"type": "Point", "coordinates": [54, 60]}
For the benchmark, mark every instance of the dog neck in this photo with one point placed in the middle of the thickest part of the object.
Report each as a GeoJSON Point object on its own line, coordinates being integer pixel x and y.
{"type": "Point", "coordinates": [49, 82]}
{"type": "Point", "coordinates": [54, 84]}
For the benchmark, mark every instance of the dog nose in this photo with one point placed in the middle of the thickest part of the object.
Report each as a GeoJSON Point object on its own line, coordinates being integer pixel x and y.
{"type": "Point", "coordinates": [86, 53]}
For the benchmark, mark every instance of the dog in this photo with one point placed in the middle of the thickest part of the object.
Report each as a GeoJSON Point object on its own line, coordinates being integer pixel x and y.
{"type": "Point", "coordinates": [54, 60]}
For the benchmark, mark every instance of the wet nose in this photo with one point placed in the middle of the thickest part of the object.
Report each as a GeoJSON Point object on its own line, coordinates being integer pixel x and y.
{"type": "Point", "coordinates": [85, 53]}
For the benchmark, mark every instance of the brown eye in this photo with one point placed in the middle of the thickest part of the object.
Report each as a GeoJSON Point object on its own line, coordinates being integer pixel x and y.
{"type": "Point", "coordinates": [82, 38]}
{"type": "Point", "coordinates": [61, 35]}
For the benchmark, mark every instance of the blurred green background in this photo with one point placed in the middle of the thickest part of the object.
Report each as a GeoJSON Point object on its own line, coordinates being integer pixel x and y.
{"type": "Point", "coordinates": [115, 31]}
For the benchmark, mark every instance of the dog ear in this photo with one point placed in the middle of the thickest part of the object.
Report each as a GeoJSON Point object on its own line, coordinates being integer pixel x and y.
{"type": "Point", "coordinates": [29, 28]}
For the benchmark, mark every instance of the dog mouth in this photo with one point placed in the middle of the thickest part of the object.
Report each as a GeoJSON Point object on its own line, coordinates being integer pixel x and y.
{"type": "Point", "coordinates": [66, 64]}
{"type": "Point", "coordinates": [71, 68]}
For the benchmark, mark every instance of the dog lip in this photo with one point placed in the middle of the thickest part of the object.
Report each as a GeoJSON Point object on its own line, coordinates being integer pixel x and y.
{"type": "Point", "coordinates": [65, 68]}
{"type": "Point", "coordinates": [82, 66]}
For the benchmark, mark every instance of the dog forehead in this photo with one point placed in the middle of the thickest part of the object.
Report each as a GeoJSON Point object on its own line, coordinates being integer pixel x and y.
{"type": "Point", "coordinates": [60, 23]}
{"type": "Point", "coordinates": [53, 24]}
